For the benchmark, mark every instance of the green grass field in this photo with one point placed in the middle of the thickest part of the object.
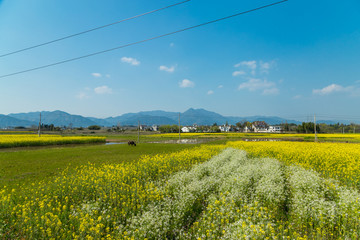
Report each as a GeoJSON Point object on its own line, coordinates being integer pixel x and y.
{"type": "Point", "coordinates": [176, 191]}
{"type": "Point", "coordinates": [26, 165]}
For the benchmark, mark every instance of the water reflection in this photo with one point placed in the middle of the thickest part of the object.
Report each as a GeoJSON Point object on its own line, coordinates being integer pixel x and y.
{"type": "Point", "coordinates": [184, 141]}
{"type": "Point", "coordinates": [262, 139]}
{"type": "Point", "coordinates": [113, 143]}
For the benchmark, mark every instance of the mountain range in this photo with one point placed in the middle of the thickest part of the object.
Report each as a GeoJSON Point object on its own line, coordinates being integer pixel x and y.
{"type": "Point", "coordinates": [158, 117]}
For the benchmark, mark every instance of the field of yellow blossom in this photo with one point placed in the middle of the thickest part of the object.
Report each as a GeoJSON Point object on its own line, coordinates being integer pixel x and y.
{"type": "Point", "coordinates": [349, 137]}
{"type": "Point", "coordinates": [25, 140]}
{"type": "Point", "coordinates": [236, 197]}
{"type": "Point", "coordinates": [206, 192]}
{"type": "Point", "coordinates": [92, 202]}
{"type": "Point", "coordinates": [340, 161]}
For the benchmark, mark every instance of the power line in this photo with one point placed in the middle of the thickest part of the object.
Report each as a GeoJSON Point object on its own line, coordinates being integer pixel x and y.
{"type": "Point", "coordinates": [92, 29]}
{"type": "Point", "coordinates": [322, 117]}
{"type": "Point", "coordinates": [338, 116]}
{"type": "Point", "coordinates": [142, 41]}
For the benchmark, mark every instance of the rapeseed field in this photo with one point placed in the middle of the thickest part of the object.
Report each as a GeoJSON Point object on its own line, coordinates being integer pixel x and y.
{"type": "Point", "coordinates": [25, 140]}
{"type": "Point", "coordinates": [94, 201]}
{"type": "Point", "coordinates": [239, 190]}
{"type": "Point", "coordinates": [349, 137]}
{"type": "Point", "coordinates": [340, 161]}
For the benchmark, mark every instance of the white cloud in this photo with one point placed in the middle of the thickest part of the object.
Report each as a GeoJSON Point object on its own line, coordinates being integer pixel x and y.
{"type": "Point", "coordinates": [332, 88]}
{"type": "Point", "coordinates": [103, 90]}
{"type": "Point", "coordinates": [108, 75]}
{"type": "Point", "coordinates": [186, 83]}
{"type": "Point", "coordinates": [82, 95]}
{"type": "Point", "coordinates": [172, 44]}
{"type": "Point", "coordinates": [271, 91]}
{"type": "Point", "coordinates": [254, 84]}
{"type": "Point", "coordinates": [130, 60]}
{"type": "Point", "coordinates": [96, 75]}
{"type": "Point", "coordinates": [264, 65]}
{"type": "Point", "coordinates": [210, 92]}
{"type": "Point", "coordinates": [167, 69]}
{"type": "Point", "coordinates": [249, 64]}
{"type": "Point", "coordinates": [238, 73]}
{"type": "Point", "coordinates": [220, 86]}
{"type": "Point", "coordinates": [254, 66]}
{"type": "Point", "coordinates": [297, 97]}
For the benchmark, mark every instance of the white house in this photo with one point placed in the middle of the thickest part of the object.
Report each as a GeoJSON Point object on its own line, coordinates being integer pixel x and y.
{"type": "Point", "coordinates": [143, 127]}
{"type": "Point", "coordinates": [260, 126]}
{"type": "Point", "coordinates": [188, 129]}
{"type": "Point", "coordinates": [185, 129]}
{"type": "Point", "coordinates": [225, 128]}
{"type": "Point", "coordinates": [246, 129]}
{"type": "Point", "coordinates": [275, 129]}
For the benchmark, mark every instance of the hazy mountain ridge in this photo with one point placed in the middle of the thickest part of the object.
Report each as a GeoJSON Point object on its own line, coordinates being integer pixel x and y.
{"type": "Point", "coordinates": [8, 121]}
{"type": "Point", "coordinates": [133, 119]}
{"type": "Point", "coordinates": [58, 118]}
{"type": "Point", "coordinates": [157, 117]}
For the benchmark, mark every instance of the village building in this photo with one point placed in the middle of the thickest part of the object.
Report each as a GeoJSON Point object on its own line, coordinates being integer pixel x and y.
{"type": "Point", "coordinates": [275, 129]}
{"type": "Point", "coordinates": [225, 128]}
{"type": "Point", "coordinates": [188, 129]}
{"type": "Point", "coordinates": [260, 126]}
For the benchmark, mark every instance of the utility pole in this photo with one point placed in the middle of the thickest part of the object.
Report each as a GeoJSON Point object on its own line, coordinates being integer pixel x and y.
{"type": "Point", "coordinates": [315, 127]}
{"type": "Point", "coordinates": [138, 131]}
{"type": "Point", "coordinates": [179, 129]}
{"type": "Point", "coordinates": [39, 132]}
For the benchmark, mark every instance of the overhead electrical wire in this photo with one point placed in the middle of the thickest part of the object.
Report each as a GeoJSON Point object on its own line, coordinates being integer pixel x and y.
{"type": "Point", "coordinates": [92, 29]}
{"type": "Point", "coordinates": [145, 40]}
{"type": "Point", "coordinates": [322, 117]}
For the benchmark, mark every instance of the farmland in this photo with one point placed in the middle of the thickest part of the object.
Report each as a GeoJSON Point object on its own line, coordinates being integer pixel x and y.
{"type": "Point", "coordinates": [324, 137]}
{"type": "Point", "coordinates": [22, 166]}
{"type": "Point", "coordinates": [25, 140]}
{"type": "Point", "coordinates": [216, 190]}
{"type": "Point", "coordinates": [333, 160]}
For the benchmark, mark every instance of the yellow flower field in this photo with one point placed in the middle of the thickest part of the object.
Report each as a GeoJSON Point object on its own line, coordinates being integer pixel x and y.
{"type": "Point", "coordinates": [198, 193]}
{"type": "Point", "coordinates": [24, 140]}
{"type": "Point", "coordinates": [92, 202]}
{"type": "Point", "coordinates": [322, 136]}
{"type": "Point", "coordinates": [340, 161]}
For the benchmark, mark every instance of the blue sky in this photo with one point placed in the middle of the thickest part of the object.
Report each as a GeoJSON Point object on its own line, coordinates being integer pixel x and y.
{"type": "Point", "coordinates": [291, 60]}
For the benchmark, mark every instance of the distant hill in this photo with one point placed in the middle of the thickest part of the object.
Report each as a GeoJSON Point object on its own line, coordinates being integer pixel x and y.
{"type": "Point", "coordinates": [7, 121]}
{"type": "Point", "coordinates": [189, 117]}
{"type": "Point", "coordinates": [269, 120]}
{"type": "Point", "coordinates": [100, 122]}
{"type": "Point", "coordinates": [133, 119]}
{"type": "Point", "coordinates": [202, 117]}
{"type": "Point", "coordinates": [58, 118]}
{"type": "Point", "coordinates": [158, 117]}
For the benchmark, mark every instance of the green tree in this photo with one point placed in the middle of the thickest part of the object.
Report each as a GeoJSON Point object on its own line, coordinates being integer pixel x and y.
{"type": "Point", "coordinates": [94, 127]}
{"type": "Point", "coordinates": [215, 129]}
{"type": "Point", "coordinates": [169, 128]}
